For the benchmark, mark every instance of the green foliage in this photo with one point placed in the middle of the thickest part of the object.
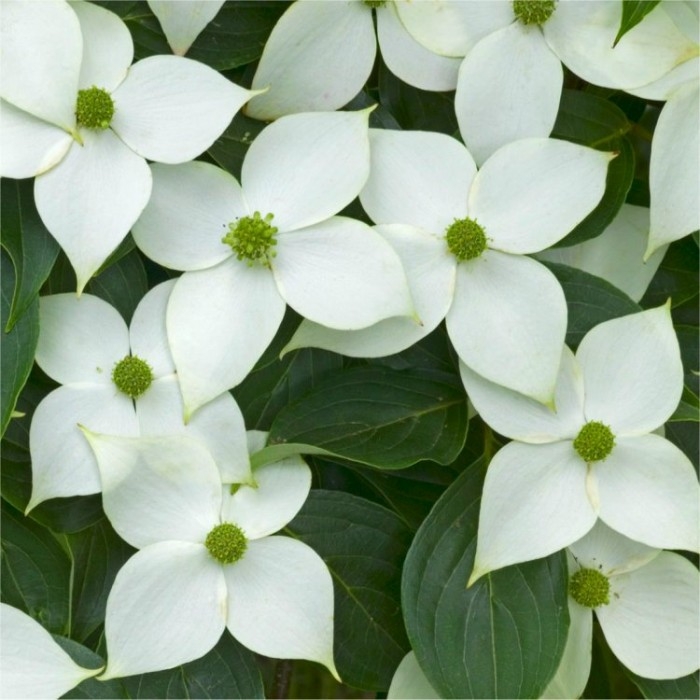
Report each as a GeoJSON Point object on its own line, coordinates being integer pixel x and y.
{"type": "Point", "coordinates": [633, 12]}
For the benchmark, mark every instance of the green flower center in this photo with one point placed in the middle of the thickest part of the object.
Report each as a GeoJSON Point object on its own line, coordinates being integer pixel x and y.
{"type": "Point", "coordinates": [533, 11]}
{"type": "Point", "coordinates": [252, 238]}
{"type": "Point", "coordinates": [466, 239]}
{"type": "Point", "coordinates": [374, 3]}
{"type": "Point", "coordinates": [132, 375]}
{"type": "Point", "coordinates": [594, 442]}
{"type": "Point", "coordinates": [94, 108]}
{"type": "Point", "coordinates": [590, 588]}
{"type": "Point", "coordinates": [226, 543]}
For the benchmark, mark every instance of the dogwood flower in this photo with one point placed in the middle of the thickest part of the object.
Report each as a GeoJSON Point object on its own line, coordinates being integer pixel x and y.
{"type": "Point", "coordinates": [250, 249]}
{"type": "Point", "coordinates": [76, 115]}
{"type": "Point", "coordinates": [208, 559]}
{"type": "Point", "coordinates": [320, 55]}
{"type": "Point", "coordinates": [183, 21]}
{"type": "Point", "coordinates": [596, 457]}
{"type": "Point", "coordinates": [646, 602]}
{"type": "Point", "coordinates": [115, 379]}
{"type": "Point", "coordinates": [505, 312]}
{"type": "Point", "coordinates": [32, 664]}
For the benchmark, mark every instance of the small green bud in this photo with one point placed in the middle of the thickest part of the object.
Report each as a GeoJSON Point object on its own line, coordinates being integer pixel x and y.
{"type": "Point", "coordinates": [374, 3]}
{"type": "Point", "coordinates": [94, 108]}
{"type": "Point", "coordinates": [252, 238]}
{"type": "Point", "coordinates": [590, 588]}
{"type": "Point", "coordinates": [226, 543]}
{"type": "Point", "coordinates": [594, 442]}
{"type": "Point", "coordinates": [533, 11]}
{"type": "Point", "coordinates": [132, 375]}
{"type": "Point", "coordinates": [466, 239]}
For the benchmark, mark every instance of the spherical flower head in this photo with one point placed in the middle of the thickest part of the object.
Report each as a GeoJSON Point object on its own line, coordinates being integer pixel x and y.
{"type": "Point", "coordinates": [466, 239]}
{"type": "Point", "coordinates": [252, 238]}
{"type": "Point", "coordinates": [227, 543]}
{"type": "Point", "coordinates": [590, 588]}
{"type": "Point", "coordinates": [533, 11]}
{"type": "Point", "coordinates": [594, 442]}
{"type": "Point", "coordinates": [94, 108]}
{"type": "Point", "coordinates": [132, 375]}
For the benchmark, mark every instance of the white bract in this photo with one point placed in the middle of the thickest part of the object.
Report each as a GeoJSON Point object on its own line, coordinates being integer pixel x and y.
{"type": "Point", "coordinates": [646, 602]}
{"type": "Point", "coordinates": [183, 21]}
{"type": "Point", "coordinates": [596, 457]}
{"type": "Point", "coordinates": [505, 312]}
{"type": "Point", "coordinates": [118, 380]}
{"type": "Point", "coordinates": [409, 681]}
{"type": "Point", "coordinates": [321, 53]}
{"type": "Point", "coordinates": [250, 249]}
{"type": "Point", "coordinates": [208, 559]}
{"type": "Point", "coordinates": [76, 115]}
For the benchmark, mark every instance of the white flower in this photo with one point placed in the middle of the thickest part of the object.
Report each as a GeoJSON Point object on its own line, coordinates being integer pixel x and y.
{"type": "Point", "coordinates": [207, 561]}
{"type": "Point", "coordinates": [646, 602]}
{"type": "Point", "coordinates": [32, 665]}
{"type": "Point", "coordinates": [596, 457]}
{"type": "Point", "coordinates": [76, 115]}
{"type": "Point", "coordinates": [182, 21]}
{"type": "Point", "coordinates": [320, 55]}
{"type": "Point", "coordinates": [250, 249]}
{"type": "Point", "coordinates": [115, 380]}
{"type": "Point", "coordinates": [409, 681]}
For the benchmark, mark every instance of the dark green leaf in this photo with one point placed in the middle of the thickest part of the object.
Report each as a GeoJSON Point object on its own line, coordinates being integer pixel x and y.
{"type": "Point", "coordinates": [381, 417]}
{"type": "Point", "coordinates": [677, 276]}
{"type": "Point", "coordinates": [363, 546]}
{"type": "Point", "coordinates": [229, 150]}
{"type": "Point", "coordinates": [501, 638]}
{"type": "Point", "coordinates": [688, 409]}
{"type": "Point", "coordinates": [633, 12]}
{"type": "Point", "coordinates": [686, 687]}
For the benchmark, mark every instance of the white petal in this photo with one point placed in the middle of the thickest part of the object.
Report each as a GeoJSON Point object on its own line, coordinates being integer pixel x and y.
{"type": "Point", "coordinates": [674, 173]}
{"type": "Point", "coordinates": [521, 418]}
{"type": "Point", "coordinates": [170, 109]}
{"type": "Point", "coordinates": [215, 342]}
{"type": "Point", "coordinates": [183, 21]}
{"type": "Point", "coordinates": [649, 492]}
{"type": "Point", "coordinates": [187, 215]}
{"type": "Point", "coordinates": [62, 462]}
{"type": "Point", "coordinates": [41, 52]}
{"type": "Point", "coordinates": [107, 47]}
{"type": "Point", "coordinates": [508, 322]}
{"type": "Point", "coordinates": [534, 503]}
{"type": "Point", "coordinates": [279, 491]}
{"type": "Point", "coordinates": [29, 146]}
{"type": "Point", "coordinates": [509, 88]}
{"type": "Point", "coordinates": [167, 606]}
{"type": "Point", "coordinates": [531, 193]}
{"type": "Point", "coordinates": [281, 601]}
{"type": "Point", "coordinates": [652, 627]}
{"type": "Point", "coordinates": [616, 254]}
{"type": "Point", "coordinates": [430, 272]}
{"type": "Point", "coordinates": [81, 338]}
{"type": "Point", "coordinates": [398, 190]}
{"type": "Point", "coordinates": [32, 664]}
{"type": "Point", "coordinates": [317, 58]}
{"type": "Point", "coordinates": [341, 274]}
{"type": "Point", "coordinates": [100, 186]}
{"type": "Point", "coordinates": [307, 167]}
{"type": "Point", "coordinates": [409, 60]}
{"type": "Point", "coordinates": [409, 681]}
{"type": "Point", "coordinates": [664, 88]}
{"type": "Point", "coordinates": [157, 488]}
{"type": "Point", "coordinates": [632, 371]}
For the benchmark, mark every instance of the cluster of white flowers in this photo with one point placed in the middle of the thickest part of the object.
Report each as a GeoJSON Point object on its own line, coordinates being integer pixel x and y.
{"type": "Point", "coordinates": [144, 415]}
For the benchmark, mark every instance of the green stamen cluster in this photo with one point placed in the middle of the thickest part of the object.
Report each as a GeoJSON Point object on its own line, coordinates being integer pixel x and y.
{"type": "Point", "coordinates": [590, 588]}
{"type": "Point", "coordinates": [252, 238]}
{"type": "Point", "coordinates": [94, 108]}
{"type": "Point", "coordinates": [132, 375]}
{"type": "Point", "coordinates": [374, 3]}
{"type": "Point", "coordinates": [533, 11]}
{"type": "Point", "coordinates": [226, 543]}
{"type": "Point", "coordinates": [466, 239]}
{"type": "Point", "coordinates": [594, 442]}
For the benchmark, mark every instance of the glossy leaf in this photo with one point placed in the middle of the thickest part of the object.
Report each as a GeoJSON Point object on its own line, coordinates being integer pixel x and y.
{"type": "Point", "coordinates": [685, 687]}
{"type": "Point", "coordinates": [633, 12]}
{"type": "Point", "coordinates": [90, 688]}
{"type": "Point", "coordinates": [688, 409]}
{"type": "Point", "coordinates": [677, 276]}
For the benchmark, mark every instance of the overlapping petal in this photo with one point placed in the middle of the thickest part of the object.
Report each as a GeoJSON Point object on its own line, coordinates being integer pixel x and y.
{"type": "Point", "coordinates": [183, 21]}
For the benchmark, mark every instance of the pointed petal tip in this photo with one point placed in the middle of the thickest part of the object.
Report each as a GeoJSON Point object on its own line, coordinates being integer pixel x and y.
{"type": "Point", "coordinates": [476, 574]}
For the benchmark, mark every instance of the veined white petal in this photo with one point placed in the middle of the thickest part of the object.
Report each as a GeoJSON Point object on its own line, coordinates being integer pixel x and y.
{"type": "Point", "coordinates": [420, 178]}
{"type": "Point", "coordinates": [167, 606]}
{"type": "Point", "coordinates": [509, 88]}
{"type": "Point", "coordinates": [651, 623]}
{"type": "Point", "coordinates": [409, 681]}
{"type": "Point", "coordinates": [632, 371]}
{"type": "Point", "coordinates": [508, 321]}
{"type": "Point", "coordinates": [170, 109]}
{"type": "Point", "coordinates": [317, 58]}
{"type": "Point", "coordinates": [341, 274]}
{"type": "Point", "coordinates": [280, 601]}
{"type": "Point", "coordinates": [518, 194]}
{"type": "Point", "coordinates": [32, 664]}
{"type": "Point", "coordinates": [307, 167]}
{"type": "Point", "coordinates": [99, 186]}
{"type": "Point", "coordinates": [183, 21]}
